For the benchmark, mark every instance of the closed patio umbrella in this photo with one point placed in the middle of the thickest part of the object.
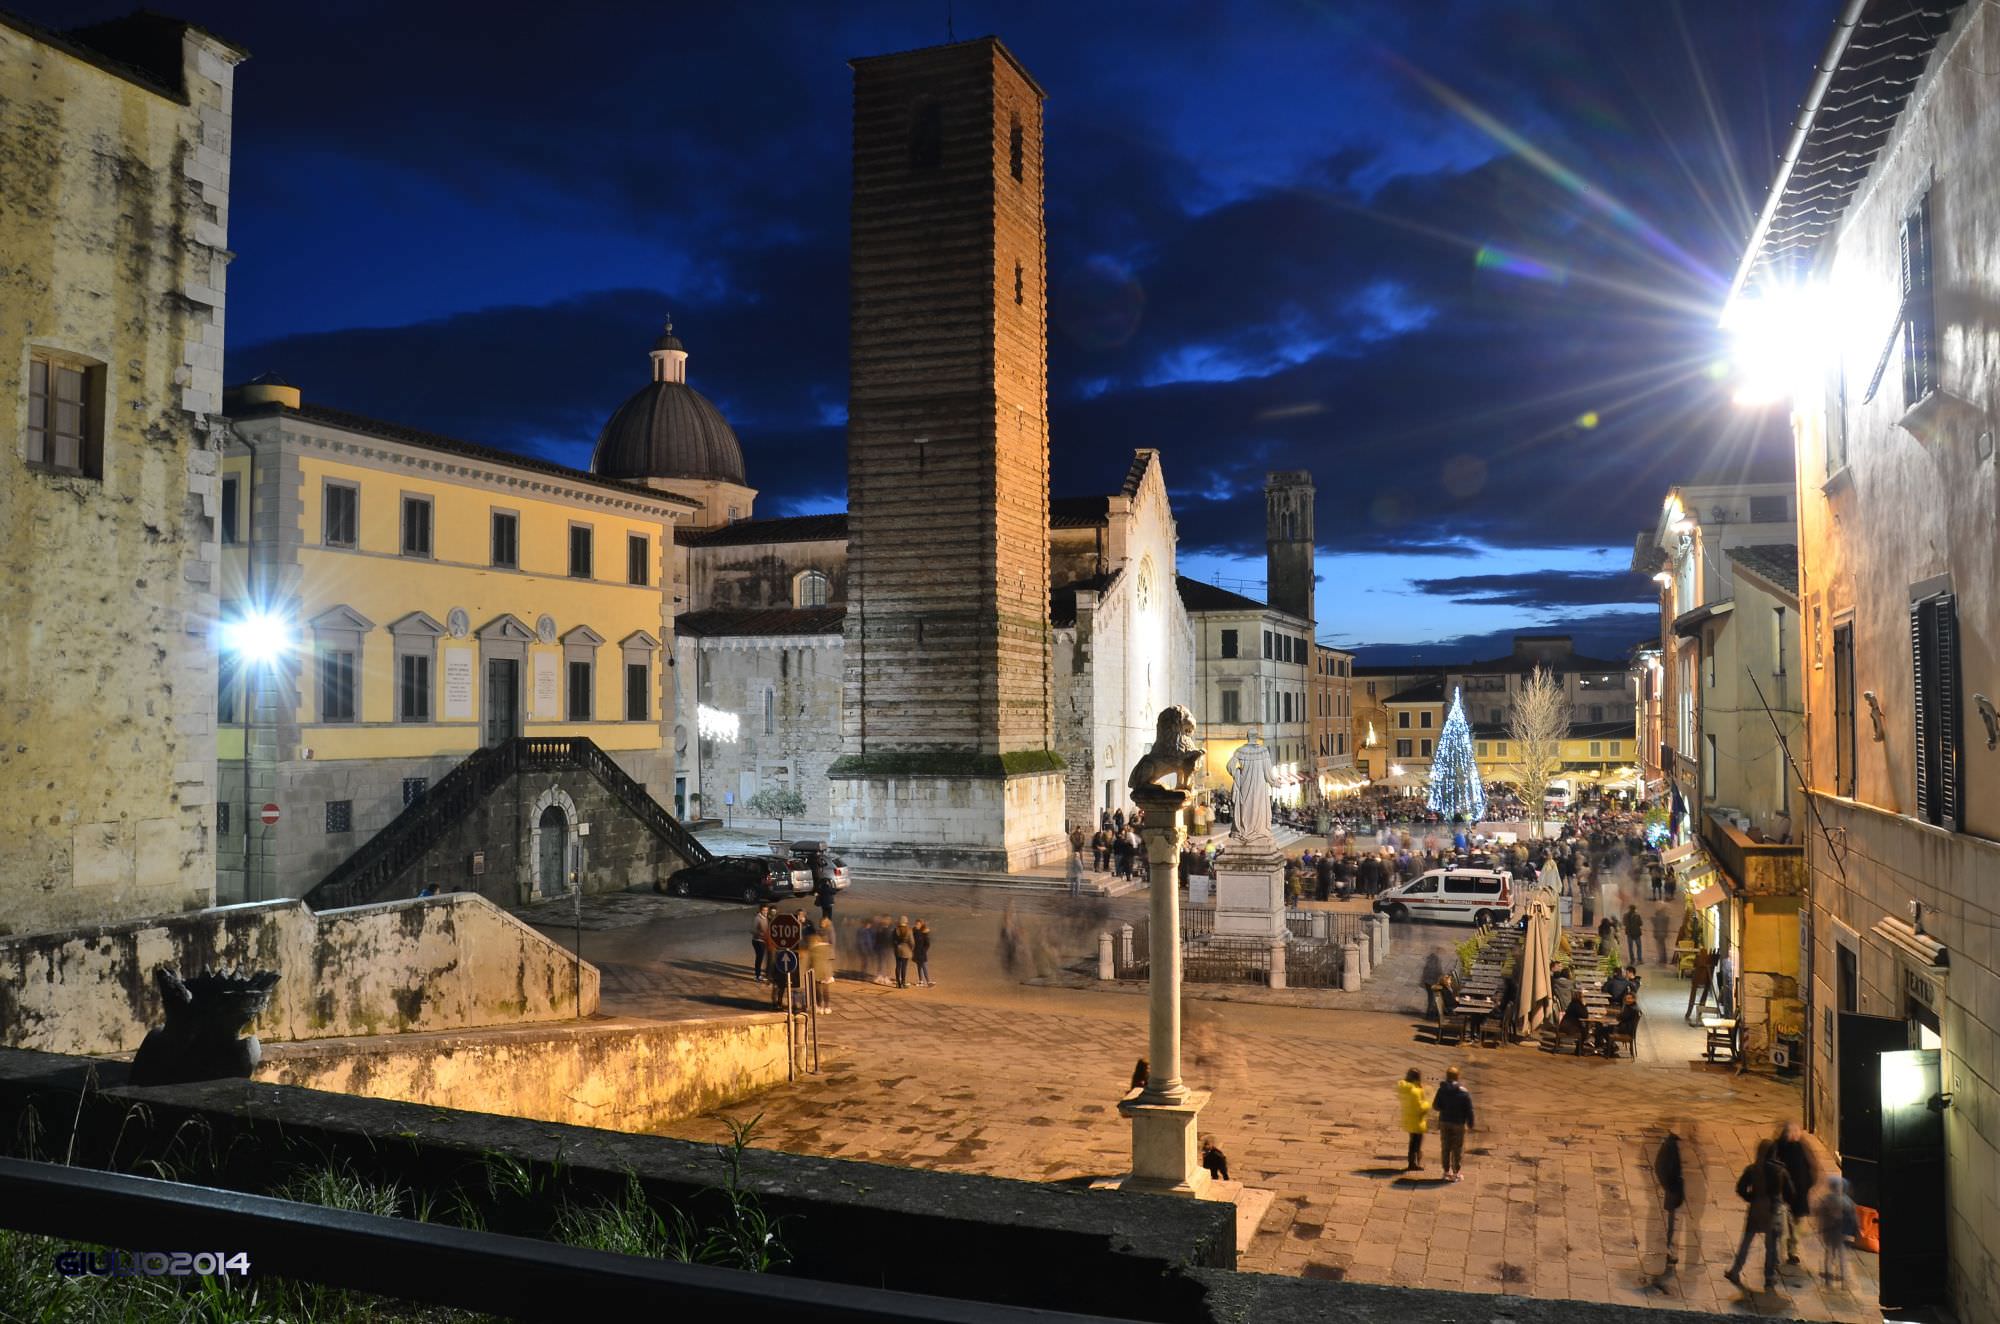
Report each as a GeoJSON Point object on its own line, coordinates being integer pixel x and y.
{"type": "Point", "coordinates": [1536, 952]}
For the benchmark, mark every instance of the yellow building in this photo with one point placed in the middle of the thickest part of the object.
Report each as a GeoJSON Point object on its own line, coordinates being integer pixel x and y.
{"type": "Point", "coordinates": [114, 213]}
{"type": "Point", "coordinates": [424, 597]}
{"type": "Point", "coordinates": [1592, 754]}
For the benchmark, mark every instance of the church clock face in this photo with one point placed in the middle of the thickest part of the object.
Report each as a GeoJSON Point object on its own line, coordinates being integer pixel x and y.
{"type": "Point", "coordinates": [1145, 589]}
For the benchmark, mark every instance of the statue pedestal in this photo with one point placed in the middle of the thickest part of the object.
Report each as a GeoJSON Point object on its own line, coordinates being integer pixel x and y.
{"type": "Point", "coordinates": [1250, 894]}
{"type": "Point", "coordinates": [1166, 1155]}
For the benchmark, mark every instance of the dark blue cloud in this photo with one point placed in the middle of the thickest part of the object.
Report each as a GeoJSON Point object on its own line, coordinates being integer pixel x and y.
{"type": "Point", "coordinates": [1279, 236]}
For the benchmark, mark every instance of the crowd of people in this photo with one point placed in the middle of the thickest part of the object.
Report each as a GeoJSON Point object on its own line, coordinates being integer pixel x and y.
{"type": "Point", "coordinates": [881, 943]}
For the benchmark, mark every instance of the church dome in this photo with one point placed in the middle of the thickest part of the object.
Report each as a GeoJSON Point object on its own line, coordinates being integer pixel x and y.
{"type": "Point", "coordinates": [668, 429]}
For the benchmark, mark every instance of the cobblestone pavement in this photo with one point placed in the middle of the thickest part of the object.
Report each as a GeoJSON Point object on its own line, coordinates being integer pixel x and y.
{"type": "Point", "coordinates": [982, 1074]}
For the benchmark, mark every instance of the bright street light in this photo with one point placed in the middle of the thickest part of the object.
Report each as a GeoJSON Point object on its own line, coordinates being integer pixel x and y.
{"type": "Point", "coordinates": [257, 637]}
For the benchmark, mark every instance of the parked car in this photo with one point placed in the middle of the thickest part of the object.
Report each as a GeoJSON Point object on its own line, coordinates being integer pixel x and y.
{"type": "Point", "coordinates": [747, 877]}
{"type": "Point", "coordinates": [818, 857]}
{"type": "Point", "coordinates": [1470, 896]}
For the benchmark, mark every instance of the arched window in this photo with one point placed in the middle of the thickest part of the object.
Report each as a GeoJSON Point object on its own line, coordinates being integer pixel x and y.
{"type": "Point", "coordinates": [809, 589]}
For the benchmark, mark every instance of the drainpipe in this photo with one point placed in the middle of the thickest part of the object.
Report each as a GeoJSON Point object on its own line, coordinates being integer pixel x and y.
{"type": "Point", "coordinates": [1829, 63]}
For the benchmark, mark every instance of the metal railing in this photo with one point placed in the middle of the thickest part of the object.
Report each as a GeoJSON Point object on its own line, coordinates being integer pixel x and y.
{"type": "Point", "coordinates": [517, 1277]}
{"type": "Point", "coordinates": [1227, 961]}
{"type": "Point", "coordinates": [402, 845]}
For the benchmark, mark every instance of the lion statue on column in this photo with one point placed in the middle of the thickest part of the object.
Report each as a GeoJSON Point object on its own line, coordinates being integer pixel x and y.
{"type": "Point", "coordinates": [1173, 757]}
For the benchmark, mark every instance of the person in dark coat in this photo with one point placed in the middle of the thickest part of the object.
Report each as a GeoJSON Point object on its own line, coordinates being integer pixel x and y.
{"type": "Point", "coordinates": [1635, 936]}
{"type": "Point", "coordinates": [1673, 1186]}
{"type": "Point", "coordinates": [1699, 980]}
{"type": "Point", "coordinates": [1323, 874]}
{"type": "Point", "coordinates": [1453, 1103]}
{"type": "Point", "coordinates": [1767, 1188]}
{"type": "Point", "coordinates": [1576, 1020]}
{"type": "Point", "coordinates": [1803, 1170]}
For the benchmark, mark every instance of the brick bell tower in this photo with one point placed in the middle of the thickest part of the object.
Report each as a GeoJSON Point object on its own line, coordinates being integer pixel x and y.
{"type": "Point", "coordinates": [1288, 542]}
{"type": "Point", "coordinates": [947, 720]}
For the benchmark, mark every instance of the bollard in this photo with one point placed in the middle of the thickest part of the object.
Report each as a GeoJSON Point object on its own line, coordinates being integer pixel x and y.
{"type": "Point", "coordinates": [1350, 966]}
{"type": "Point", "coordinates": [1321, 919]}
{"type": "Point", "coordinates": [1367, 962]}
{"type": "Point", "coordinates": [1105, 968]}
{"type": "Point", "coordinates": [1277, 963]}
{"type": "Point", "coordinates": [1378, 941]}
{"type": "Point", "coordinates": [1125, 944]}
{"type": "Point", "coordinates": [1388, 934]}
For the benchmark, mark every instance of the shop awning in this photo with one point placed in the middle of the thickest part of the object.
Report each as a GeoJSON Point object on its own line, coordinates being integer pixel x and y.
{"type": "Point", "coordinates": [1712, 895]}
{"type": "Point", "coordinates": [1675, 854]}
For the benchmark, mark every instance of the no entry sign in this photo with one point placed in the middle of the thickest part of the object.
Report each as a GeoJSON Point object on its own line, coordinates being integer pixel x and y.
{"type": "Point", "coordinates": [784, 931]}
{"type": "Point", "coordinates": [269, 814]}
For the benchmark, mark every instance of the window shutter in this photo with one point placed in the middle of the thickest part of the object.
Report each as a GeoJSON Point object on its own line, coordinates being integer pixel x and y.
{"type": "Point", "coordinates": [1950, 803]}
{"type": "Point", "coordinates": [1920, 660]}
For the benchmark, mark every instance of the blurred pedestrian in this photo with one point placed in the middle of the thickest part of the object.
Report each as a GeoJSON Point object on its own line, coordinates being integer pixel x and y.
{"type": "Point", "coordinates": [1415, 1115]}
{"type": "Point", "coordinates": [760, 941]}
{"type": "Point", "coordinates": [1667, 1170]}
{"type": "Point", "coordinates": [1838, 1224]}
{"type": "Point", "coordinates": [1766, 1188]}
{"type": "Point", "coordinates": [1803, 1170]}
{"type": "Point", "coordinates": [905, 940]}
{"type": "Point", "coordinates": [1635, 933]}
{"type": "Point", "coordinates": [1699, 981]}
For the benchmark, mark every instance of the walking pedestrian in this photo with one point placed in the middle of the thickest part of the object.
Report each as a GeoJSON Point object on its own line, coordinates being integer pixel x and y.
{"type": "Point", "coordinates": [1838, 1224]}
{"type": "Point", "coordinates": [1699, 981]}
{"type": "Point", "coordinates": [905, 940]}
{"type": "Point", "coordinates": [1454, 1110]}
{"type": "Point", "coordinates": [824, 892]}
{"type": "Point", "coordinates": [1725, 984]}
{"type": "Point", "coordinates": [760, 942]}
{"type": "Point", "coordinates": [826, 956]}
{"type": "Point", "coordinates": [1803, 1170]}
{"type": "Point", "coordinates": [1766, 1187]}
{"type": "Point", "coordinates": [920, 946]}
{"type": "Point", "coordinates": [1100, 847]}
{"type": "Point", "coordinates": [1410, 1095]}
{"type": "Point", "coordinates": [1635, 934]}
{"type": "Point", "coordinates": [1673, 1186]}
{"type": "Point", "coordinates": [1076, 839]}
{"type": "Point", "coordinates": [1076, 873]}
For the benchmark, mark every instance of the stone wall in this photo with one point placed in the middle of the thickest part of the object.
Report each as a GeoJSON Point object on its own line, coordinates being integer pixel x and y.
{"type": "Point", "coordinates": [761, 574]}
{"type": "Point", "coordinates": [114, 209]}
{"type": "Point", "coordinates": [619, 852]}
{"type": "Point", "coordinates": [973, 1237]}
{"type": "Point", "coordinates": [734, 674]}
{"type": "Point", "coordinates": [1886, 862]}
{"type": "Point", "coordinates": [619, 1075]}
{"type": "Point", "coordinates": [440, 963]}
{"type": "Point", "coordinates": [1009, 822]}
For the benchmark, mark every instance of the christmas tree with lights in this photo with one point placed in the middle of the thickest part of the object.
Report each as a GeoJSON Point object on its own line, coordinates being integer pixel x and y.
{"type": "Point", "coordinates": [1455, 789]}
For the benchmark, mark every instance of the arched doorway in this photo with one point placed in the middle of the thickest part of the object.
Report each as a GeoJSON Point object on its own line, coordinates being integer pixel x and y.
{"type": "Point", "coordinates": [552, 844]}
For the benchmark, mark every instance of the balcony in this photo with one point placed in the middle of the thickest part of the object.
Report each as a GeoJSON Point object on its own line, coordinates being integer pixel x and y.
{"type": "Point", "coordinates": [1755, 868]}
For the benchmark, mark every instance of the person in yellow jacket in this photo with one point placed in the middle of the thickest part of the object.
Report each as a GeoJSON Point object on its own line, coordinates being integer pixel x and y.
{"type": "Point", "coordinates": [1416, 1115]}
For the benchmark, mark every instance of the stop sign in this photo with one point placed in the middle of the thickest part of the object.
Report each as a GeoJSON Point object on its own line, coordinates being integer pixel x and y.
{"type": "Point", "coordinates": [269, 815]}
{"type": "Point", "coordinates": [784, 931]}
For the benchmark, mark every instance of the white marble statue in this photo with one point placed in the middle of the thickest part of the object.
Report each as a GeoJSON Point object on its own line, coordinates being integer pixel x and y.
{"type": "Point", "coordinates": [1252, 778]}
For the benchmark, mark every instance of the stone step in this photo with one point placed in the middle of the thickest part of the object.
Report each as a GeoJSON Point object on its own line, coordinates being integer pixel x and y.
{"type": "Point", "coordinates": [979, 878]}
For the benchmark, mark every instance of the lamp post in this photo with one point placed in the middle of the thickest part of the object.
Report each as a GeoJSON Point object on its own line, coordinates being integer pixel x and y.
{"type": "Point", "coordinates": [256, 640]}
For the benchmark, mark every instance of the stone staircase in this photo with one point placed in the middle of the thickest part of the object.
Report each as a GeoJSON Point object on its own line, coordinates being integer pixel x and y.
{"type": "Point", "coordinates": [1054, 885]}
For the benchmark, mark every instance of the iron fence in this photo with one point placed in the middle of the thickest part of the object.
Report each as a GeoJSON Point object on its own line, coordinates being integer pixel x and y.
{"type": "Point", "coordinates": [1215, 960]}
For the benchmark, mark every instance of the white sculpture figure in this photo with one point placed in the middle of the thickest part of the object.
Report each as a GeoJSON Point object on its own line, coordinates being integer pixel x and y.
{"type": "Point", "coordinates": [1252, 778]}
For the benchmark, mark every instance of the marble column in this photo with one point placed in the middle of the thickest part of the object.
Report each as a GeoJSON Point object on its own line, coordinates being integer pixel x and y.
{"type": "Point", "coordinates": [1165, 1115]}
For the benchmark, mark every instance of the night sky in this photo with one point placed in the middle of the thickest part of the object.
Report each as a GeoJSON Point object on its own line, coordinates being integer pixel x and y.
{"type": "Point", "coordinates": [1462, 260]}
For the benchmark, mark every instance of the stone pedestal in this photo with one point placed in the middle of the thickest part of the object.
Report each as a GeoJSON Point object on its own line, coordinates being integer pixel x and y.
{"type": "Point", "coordinates": [1250, 895]}
{"type": "Point", "coordinates": [1166, 1154]}
{"type": "Point", "coordinates": [1350, 967]}
{"type": "Point", "coordinates": [1105, 968]}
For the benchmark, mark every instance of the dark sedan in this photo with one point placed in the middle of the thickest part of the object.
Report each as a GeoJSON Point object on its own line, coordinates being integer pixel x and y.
{"type": "Point", "coordinates": [745, 877]}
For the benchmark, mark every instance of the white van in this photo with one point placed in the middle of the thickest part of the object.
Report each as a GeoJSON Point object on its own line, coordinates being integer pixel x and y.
{"type": "Point", "coordinates": [1466, 896]}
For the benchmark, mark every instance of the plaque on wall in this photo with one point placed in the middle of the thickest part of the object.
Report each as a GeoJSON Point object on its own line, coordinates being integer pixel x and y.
{"type": "Point", "coordinates": [545, 707]}
{"type": "Point", "coordinates": [545, 629]}
{"type": "Point", "coordinates": [458, 623]}
{"type": "Point", "coordinates": [457, 682]}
